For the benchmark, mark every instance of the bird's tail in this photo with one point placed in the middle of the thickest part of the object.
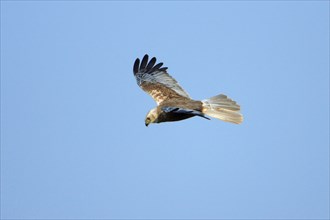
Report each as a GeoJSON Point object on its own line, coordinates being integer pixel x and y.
{"type": "Point", "coordinates": [223, 108]}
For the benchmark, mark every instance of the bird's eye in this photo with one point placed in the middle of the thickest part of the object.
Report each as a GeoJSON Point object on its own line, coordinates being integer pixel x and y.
{"type": "Point", "coordinates": [148, 120]}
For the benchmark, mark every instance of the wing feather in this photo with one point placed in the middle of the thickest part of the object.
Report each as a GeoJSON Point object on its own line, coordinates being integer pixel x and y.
{"type": "Point", "coordinates": [151, 63]}
{"type": "Point", "coordinates": [157, 67]}
{"type": "Point", "coordinates": [144, 62]}
{"type": "Point", "coordinates": [136, 65]}
{"type": "Point", "coordinates": [176, 110]}
{"type": "Point", "coordinates": [156, 81]}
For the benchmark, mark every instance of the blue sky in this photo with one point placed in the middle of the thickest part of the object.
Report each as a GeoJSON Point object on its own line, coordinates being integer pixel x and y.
{"type": "Point", "coordinates": [73, 139]}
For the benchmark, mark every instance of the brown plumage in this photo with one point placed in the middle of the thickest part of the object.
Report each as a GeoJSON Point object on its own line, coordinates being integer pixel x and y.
{"type": "Point", "coordinates": [173, 103]}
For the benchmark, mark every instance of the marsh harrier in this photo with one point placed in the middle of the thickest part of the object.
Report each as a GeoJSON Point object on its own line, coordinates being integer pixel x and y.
{"type": "Point", "coordinates": [173, 103]}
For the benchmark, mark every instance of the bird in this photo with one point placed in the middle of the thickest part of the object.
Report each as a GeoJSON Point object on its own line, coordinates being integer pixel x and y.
{"type": "Point", "coordinates": [173, 102]}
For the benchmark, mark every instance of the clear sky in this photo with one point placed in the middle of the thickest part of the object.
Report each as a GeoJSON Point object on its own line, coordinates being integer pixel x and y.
{"type": "Point", "coordinates": [73, 139]}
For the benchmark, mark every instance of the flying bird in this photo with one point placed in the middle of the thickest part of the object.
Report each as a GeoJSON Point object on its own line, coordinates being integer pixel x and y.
{"type": "Point", "coordinates": [173, 102]}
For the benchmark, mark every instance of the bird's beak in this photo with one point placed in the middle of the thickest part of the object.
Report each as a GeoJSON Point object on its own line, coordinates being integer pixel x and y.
{"type": "Point", "coordinates": [146, 124]}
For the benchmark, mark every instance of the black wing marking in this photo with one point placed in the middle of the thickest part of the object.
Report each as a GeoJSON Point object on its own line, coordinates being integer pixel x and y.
{"type": "Point", "coordinates": [144, 62]}
{"type": "Point", "coordinates": [148, 72]}
{"type": "Point", "coordinates": [169, 109]}
{"type": "Point", "coordinates": [146, 67]}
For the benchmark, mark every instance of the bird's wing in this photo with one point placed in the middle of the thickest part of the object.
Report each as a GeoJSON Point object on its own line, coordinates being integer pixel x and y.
{"type": "Point", "coordinates": [155, 80]}
{"type": "Point", "coordinates": [176, 110]}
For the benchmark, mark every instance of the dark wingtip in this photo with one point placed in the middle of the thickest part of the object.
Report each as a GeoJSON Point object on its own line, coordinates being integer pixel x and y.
{"type": "Point", "coordinates": [206, 117]}
{"type": "Point", "coordinates": [163, 69]}
{"type": "Point", "coordinates": [157, 67]}
{"type": "Point", "coordinates": [144, 62]}
{"type": "Point", "coordinates": [151, 64]}
{"type": "Point", "coordinates": [136, 66]}
{"type": "Point", "coordinates": [147, 67]}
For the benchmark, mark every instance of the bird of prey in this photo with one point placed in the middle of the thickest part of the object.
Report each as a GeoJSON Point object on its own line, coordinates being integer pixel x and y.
{"type": "Point", "coordinates": [173, 103]}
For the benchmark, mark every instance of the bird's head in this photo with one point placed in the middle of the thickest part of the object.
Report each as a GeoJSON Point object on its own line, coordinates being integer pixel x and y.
{"type": "Point", "coordinates": [151, 117]}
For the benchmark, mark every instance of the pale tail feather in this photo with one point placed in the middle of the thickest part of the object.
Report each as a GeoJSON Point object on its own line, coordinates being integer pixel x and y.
{"type": "Point", "coordinates": [223, 108]}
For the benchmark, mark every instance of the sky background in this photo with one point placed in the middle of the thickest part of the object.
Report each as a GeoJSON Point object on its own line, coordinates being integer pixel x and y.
{"type": "Point", "coordinates": [73, 139]}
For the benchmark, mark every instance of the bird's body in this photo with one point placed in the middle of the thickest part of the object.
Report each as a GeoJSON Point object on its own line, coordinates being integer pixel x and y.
{"type": "Point", "coordinates": [173, 103]}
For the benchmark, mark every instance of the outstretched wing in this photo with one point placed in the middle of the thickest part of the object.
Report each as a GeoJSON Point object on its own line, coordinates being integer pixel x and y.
{"type": "Point", "coordinates": [176, 110]}
{"type": "Point", "coordinates": [154, 80]}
